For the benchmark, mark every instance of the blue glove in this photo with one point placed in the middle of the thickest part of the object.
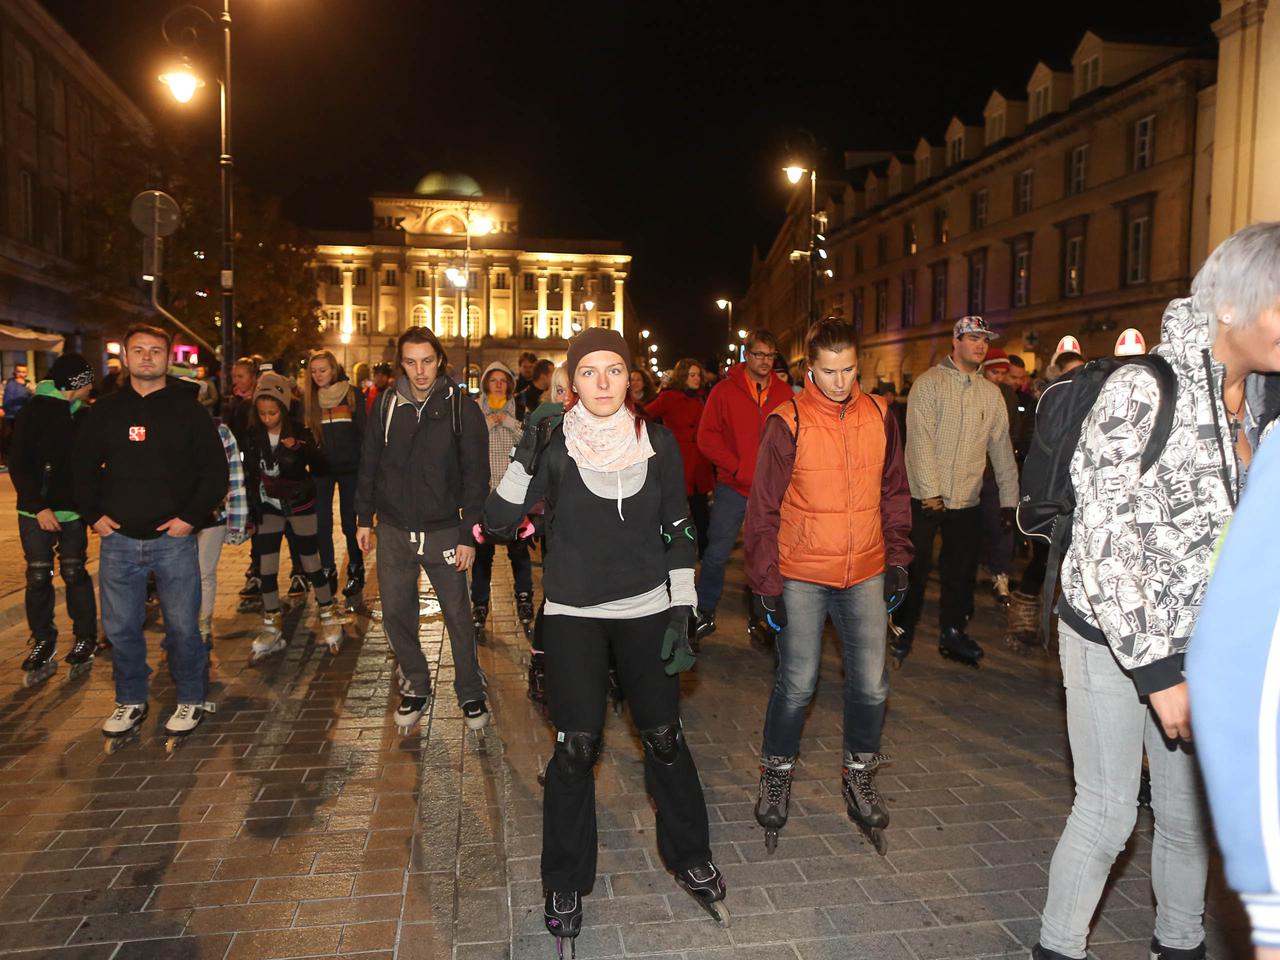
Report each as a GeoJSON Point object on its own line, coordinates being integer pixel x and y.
{"type": "Point", "coordinates": [895, 587]}
{"type": "Point", "coordinates": [771, 611]}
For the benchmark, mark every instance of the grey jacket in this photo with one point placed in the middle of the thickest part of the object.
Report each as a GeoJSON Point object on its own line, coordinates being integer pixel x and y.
{"type": "Point", "coordinates": [955, 421]}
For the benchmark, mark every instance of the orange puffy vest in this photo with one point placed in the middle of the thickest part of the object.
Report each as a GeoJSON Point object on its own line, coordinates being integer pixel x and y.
{"type": "Point", "coordinates": [830, 515]}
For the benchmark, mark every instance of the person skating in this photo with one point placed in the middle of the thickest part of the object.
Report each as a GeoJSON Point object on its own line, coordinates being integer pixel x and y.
{"type": "Point", "coordinates": [147, 468]}
{"type": "Point", "coordinates": [497, 404]}
{"type": "Point", "coordinates": [1133, 580]}
{"type": "Point", "coordinates": [729, 436]}
{"type": "Point", "coordinates": [424, 474]}
{"type": "Point", "coordinates": [282, 460]}
{"type": "Point", "coordinates": [335, 415]}
{"type": "Point", "coordinates": [40, 467]}
{"type": "Point", "coordinates": [828, 533]}
{"type": "Point", "coordinates": [618, 578]}
{"type": "Point", "coordinates": [679, 409]}
{"type": "Point", "coordinates": [955, 421]}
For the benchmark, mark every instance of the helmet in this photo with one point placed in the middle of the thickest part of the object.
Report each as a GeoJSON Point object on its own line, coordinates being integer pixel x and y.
{"type": "Point", "coordinates": [1131, 343]}
{"type": "Point", "coordinates": [1067, 344]}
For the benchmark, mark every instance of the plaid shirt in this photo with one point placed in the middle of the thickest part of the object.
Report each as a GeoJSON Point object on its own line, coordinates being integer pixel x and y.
{"type": "Point", "coordinates": [235, 509]}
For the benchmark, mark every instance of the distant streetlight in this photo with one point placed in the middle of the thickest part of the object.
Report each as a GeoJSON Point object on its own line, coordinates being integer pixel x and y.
{"type": "Point", "coordinates": [742, 334]}
{"type": "Point", "coordinates": [588, 305]}
{"type": "Point", "coordinates": [724, 304]}
{"type": "Point", "coordinates": [644, 334]}
{"type": "Point", "coordinates": [795, 173]}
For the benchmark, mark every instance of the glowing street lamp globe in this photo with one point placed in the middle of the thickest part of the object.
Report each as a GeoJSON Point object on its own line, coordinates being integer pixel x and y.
{"type": "Point", "coordinates": [794, 173]}
{"type": "Point", "coordinates": [182, 81]}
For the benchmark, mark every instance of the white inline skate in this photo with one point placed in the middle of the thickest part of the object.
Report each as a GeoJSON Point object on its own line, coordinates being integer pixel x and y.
{"type": "Point", "coordinates": [332, 620]}
{"type": "Point", "coordinates": [270, 641]}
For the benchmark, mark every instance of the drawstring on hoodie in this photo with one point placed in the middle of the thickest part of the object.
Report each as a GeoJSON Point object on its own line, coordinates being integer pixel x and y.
{"type": "Point", "coordinates": [619, 476]}
{"type": "Point", "coordinates": [419, 538]}
{"type": "Point", "coordinates": [1217, 431]}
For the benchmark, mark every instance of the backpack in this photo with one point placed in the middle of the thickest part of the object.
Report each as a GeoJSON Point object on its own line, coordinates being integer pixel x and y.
{"type": "Point", "coordinates": [1047, 500]}
{"type": "Point", "coordinates": [388, 406]}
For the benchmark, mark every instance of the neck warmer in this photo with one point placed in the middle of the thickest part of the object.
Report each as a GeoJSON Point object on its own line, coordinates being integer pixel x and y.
{"type": "Point", "coordinates": [333, 395]}
{"type": "Point", "coordinates": [606, 444]}
{"type": "Point", "coordinates": [496, 401]}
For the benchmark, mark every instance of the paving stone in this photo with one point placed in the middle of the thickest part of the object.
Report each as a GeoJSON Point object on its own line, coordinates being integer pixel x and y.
{"type": "Point", "coordinates": [971, 940]}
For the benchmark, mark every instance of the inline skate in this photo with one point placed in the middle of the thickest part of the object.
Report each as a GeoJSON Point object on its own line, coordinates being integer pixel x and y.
{"type": "Point", "coordinates": [270, 640]}
{"type": "Point", "coordinates": [773, 797]}
{"type": "Point", "coordinates": [865, 806]}
{"type": "Point", "coordinates": [40, 664]}
{"type": "Point", "coordinates": [705, 883]}
{"type": "Point", "coordinates": [80, 659]}
{"type": "Point", "coordinates": [123, 725]}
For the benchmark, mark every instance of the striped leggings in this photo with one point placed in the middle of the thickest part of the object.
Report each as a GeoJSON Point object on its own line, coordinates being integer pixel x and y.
{"type": "Point", "coordinates": [267, 541]}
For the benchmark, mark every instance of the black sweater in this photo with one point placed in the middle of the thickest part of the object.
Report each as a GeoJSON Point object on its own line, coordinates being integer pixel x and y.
{"type": "Point", "coordinates": [144, 460]}
{"type": "Point", "coordinates": [593, 556]}
{"type": "Point", "coordinates": [40, 457]}
{"type": "Point", "coordinates": [414, 475]}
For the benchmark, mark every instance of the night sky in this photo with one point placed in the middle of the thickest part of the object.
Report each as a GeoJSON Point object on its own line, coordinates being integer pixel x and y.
{"type": "Point", "coordinates": [660, 124]}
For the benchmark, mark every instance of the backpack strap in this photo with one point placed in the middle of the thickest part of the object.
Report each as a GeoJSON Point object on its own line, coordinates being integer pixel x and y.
{"type": "Point", "coordinates": [1167, 381]}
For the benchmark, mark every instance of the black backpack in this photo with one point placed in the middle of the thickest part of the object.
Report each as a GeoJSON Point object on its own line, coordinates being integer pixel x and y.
{"type": "Point", "coordinates": [1046, 498]}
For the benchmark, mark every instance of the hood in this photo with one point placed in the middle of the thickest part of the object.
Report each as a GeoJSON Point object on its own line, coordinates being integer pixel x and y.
{"type": "Point", "coordinates": [45, 388]}
{"type": "Point", "coordinates": [1184, 336]}
{"type": "Point", "coordinates": [404, 393]}
{"type": "Point", "coordinates": [737, 375]}
{"type": "Point", "coordinates": [501, 368]}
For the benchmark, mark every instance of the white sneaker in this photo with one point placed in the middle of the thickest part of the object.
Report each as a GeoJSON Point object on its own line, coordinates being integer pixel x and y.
{"type": "Point", "coordinates": [125, 718]}
{"type": "Point", "coordinates": [185, 718]}
{"type": "Point", "coordinates": [410, 711]}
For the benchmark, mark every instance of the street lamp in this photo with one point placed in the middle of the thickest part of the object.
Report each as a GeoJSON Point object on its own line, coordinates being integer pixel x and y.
{"type": "Point", "coordinates": [794, 174]}
{"type": "Point", "coordinates": [587, 307]}
{"type": "Point", "coordinates": [724, 304]}
{"type": "Point", "coordinates": [183, 83]}
{"type": "Point", "coordinates": [477, 226]}
{"type": "Point", "coordinates": [644, 334]}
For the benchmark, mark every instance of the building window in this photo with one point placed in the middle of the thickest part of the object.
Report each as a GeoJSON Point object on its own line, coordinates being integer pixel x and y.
{"type": "Point", "coordinates": [362, 321]}
{"type": "Point", "coordinates": [362, 277]}
{"type": "Point", "coordinates": [500, 280]}
{"type": "Point", "coordinates": [389, 278]}
{"type": "Point", "coordinates": [858, 264]}
{"type": "Point", "coordinates": [1144, 142]}
{"type": "Point", "coordinates": [1020, 295]}
{"type": "Point", "coordinates": [938, 281]}
{"type": "Point", "coordinates": [420, 315]}
{"type": "Point", "coordinates": [1022, 190]}
{"type": "Point", "coordinates": [55, 235]}
{"type": "Point", "coordinates": [977, 282]}
{"type": "Point", "coordinates": [473, 321]}
{"type": "Point", "coordinates": [859, 303]}
{"type": "Point", "coordinates": [420, 279]}
{"type": "Point", "coordinates": [26, 206]}
{"type": "Point", "coordinates": [995, 129]}
{"type": "Point", "coordinates": [882, 304]}
{"type": "Point", "coordinates": [955, 151]}
{"type": "Point", "coordinates": [332, 320]}
{"type": "Point", "coordinates": [579, 282]}
{"type": "Point", "coordinates": [882, 249]}
{"type": "Point", "coordinates": [980, 201]}
{"type": "Point", "coordinates": [529, 323]}
{"type": "Point", "coordinates": [84, 129]}
{"type": "Point", "coordinates": [553, 324]}
{"type": "Point", "coordinates": [26, 77]}
{"type": "Point", "coordinates": [1090, 75]}
{"type": "Point", "coordinates": [910, 241]}
{"type": "Point", "coordinates": [530, 283]}
{"type": "Point", "coordinates": [909, 298]}
{"type": "Point", "coordinates": [604, 320]}
{"type": "Point", "coordinates": [1073, 253]}
{"type": "Point", "coordinates": [941, 225]}
{"type": "Point", "coordinates": [553, 283]}
{"type": "Point", "coordinates": [1040, 102]}
{"type": "Point", "coordinates": [1078, 169]}
{"type": "Point", "coordinates": [924, 164]}
{"type": "Point", "coordinates": [1137, 242]}
{"type": "Point", "coordinates": [837, 306]}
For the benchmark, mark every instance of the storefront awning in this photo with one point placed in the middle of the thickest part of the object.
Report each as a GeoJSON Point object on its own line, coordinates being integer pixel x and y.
{"type": "Point", "coordinates": [19, 338]}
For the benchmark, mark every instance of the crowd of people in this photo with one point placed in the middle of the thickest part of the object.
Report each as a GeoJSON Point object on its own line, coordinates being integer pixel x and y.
{"type": "Point", "coordinates": [636, 497]}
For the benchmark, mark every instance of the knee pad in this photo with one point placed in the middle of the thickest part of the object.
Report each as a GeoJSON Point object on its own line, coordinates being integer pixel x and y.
{"type": "Point", "coordinates": [39, 574]}
{"type": "Point", "coordinates": [73, 572]}
{"type": "Point", "coordinates": [576, 752]}
{"type": "Point", "coordinates": [663, 743]}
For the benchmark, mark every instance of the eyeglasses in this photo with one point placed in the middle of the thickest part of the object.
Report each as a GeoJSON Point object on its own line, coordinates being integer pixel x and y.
{"type": "Point", "coordinates": [761, 355]}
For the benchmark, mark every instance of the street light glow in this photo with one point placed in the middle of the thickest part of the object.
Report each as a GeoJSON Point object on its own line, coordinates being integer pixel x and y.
{"type": "Point", "coordinates": [588, 305]}
{"type": "Point", "coordinates": [480, 225]}
{"type": "Point", "coordinates": [722, 303]}
{"type": "Point", "coordinates": [742, 334]}
{"type": "Point", "coordinates": [182, 82]}
{"type": "Point", "coordinates": [644, 334]}
{"type": "Point", "coordinates": [794, 173]}
{"type": "Point", "coordinates": [653, 348]}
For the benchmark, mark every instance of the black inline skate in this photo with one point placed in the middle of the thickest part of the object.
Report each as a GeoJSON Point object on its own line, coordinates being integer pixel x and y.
{"type": "Point", "coordinates": [616, 696]}
{"type": "Point", "coordinates": [899, 645]}
{"type": "Point", "coordinates": [562, 914]}
{"type": "Point", "coordinates": [251, 592]}
{"type": "Point", "coordinates": [354, 587]}
{"type": "Point", "coordinates": [773, 798]}
{"type": "Point", "coordinates": [537, 677]}
{"type": "Point", "coordinates": [863, 801]}
{"type": "Point", "coordinates": [524, 611]}
{"type": "Point", "coordinates": [80, 659]}
{"type": "Point", "coordinates": [40, 664]}
{"type": "Point", "coordinates": [705, 883]}
{"type": "Point", "coordinates": [954, 644]}
{"type": "Point", "coordinates": [479, 616]}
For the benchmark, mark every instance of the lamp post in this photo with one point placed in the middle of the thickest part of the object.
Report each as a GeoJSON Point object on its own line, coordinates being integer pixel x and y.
{"type": "Point", "coordinates": [794, 174]}
{"type": "Point", "coordinates": [183, 83]}
{"type": "Point", "coordinates": [478, 226]}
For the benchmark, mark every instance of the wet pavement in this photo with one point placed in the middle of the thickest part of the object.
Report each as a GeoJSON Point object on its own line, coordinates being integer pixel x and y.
{"type": "Point", "coordinates": [296, 822]}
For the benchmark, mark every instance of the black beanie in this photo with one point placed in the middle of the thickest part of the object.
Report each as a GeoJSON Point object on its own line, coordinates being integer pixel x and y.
{"type": "Point", "coordinates": [71, 372]}
{"type": "Point", "coordinates": [596, 338]}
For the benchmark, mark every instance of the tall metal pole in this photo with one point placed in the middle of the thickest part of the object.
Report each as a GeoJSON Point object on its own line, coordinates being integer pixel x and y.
{"type": "Point", "coordinates": [729, 310]}
{"type": "Point", "coordinates": [228, 212]}
{"type": "Point", "coordinates": [813, 219]}
{"type": "Point", "coordinates": [466, 289]}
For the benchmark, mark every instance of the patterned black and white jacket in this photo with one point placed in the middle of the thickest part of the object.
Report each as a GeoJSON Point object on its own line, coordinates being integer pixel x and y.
{"type": "Point", "coordinates": [1142, 545]}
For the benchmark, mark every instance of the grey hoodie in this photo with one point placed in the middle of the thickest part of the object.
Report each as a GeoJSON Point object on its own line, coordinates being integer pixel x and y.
{"type": "Point", "coordinates": [1142, 543]}
{"type": "Point", "coordinates": [505, 433]}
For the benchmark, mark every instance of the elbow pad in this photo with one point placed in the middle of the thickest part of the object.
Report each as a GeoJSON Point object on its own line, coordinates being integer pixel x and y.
{"type": "Point", "coordinates": [679, 530]}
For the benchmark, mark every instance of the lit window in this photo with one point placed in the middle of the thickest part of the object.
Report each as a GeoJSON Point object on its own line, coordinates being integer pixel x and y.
{"type": "Point", "coordinates": [553, 325]}
{"type": "Point", "coordinates": [1144, 142]}
{"type": "Point", "coordinates": [1021, 293]}
{"type": "Point", "coordinates": [910, 242]}
{"type": "Point", "coordinates": [362, 321]}
{"type": "Point", "coordinates": [447, 320]}
{"type": "Point", "coordinates": [420, 315]}
{"type": "Point", "coordinates": [1073, 264]}
{"type": "Point", "coordinates": [529, 323]}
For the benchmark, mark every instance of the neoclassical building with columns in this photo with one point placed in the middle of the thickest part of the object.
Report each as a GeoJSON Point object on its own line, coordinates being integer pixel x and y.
{"type": "Point", "coordinates": [449, 257]}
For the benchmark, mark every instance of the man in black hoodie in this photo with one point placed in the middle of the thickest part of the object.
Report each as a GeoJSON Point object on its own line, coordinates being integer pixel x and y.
{"type": "Point", "coordinates": [424, 472]}
{"type": "Point", "coordinates": [40, 467]}
{"type": "Point", "coordinates": [148, 468]}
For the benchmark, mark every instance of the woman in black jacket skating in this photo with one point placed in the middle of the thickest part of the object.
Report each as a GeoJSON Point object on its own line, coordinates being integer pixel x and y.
{"type": "Point", "coordinates": [618, 578]}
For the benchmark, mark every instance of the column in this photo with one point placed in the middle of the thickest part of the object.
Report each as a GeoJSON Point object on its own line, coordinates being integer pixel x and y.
{"type": "Point", "coordinates": [542, 304]}
{"type": "Point", "coordinates": [489, 324]}
{"type": "Point", "coordinates": [348, 296]}
{"type": "Point", "coordinates": [433, 312]}
{"type": "Point", "coordinates": [566, 303]}
{"type": "Point", "coordinates": [618, 300]}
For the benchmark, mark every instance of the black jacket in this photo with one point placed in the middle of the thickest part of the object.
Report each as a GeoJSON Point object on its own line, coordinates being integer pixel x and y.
{"type": "Point", "coordinates": [343, 432]}
{"type": "Point", "coordinates": [414, 474]}
{"type": "Point", "coordinates": [285, 474]}
{"type": "Point", "coordinates": [40, 457]}
{"type": "Point", "coordinates": [144, 460]}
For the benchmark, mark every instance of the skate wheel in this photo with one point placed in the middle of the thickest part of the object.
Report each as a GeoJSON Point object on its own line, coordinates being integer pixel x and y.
{"type": "Point", "coordinates": [170, 744]}
{"type": "Point", "coordinates": [110, 745]}
{"type": "Point", "coordinates": [770, 841]}
{"type": "Point", "coordinates": [720, 911]}
{"type": "Point", "coordinates": [879, 841]}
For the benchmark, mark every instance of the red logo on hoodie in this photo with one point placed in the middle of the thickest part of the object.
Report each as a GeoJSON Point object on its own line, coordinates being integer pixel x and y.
{"type": "Point", "coordinates": [138, 434]}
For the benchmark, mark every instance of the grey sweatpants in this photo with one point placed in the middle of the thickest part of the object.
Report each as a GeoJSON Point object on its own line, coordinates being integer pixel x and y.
{"type": "Point", "coordinates": [401, 555]}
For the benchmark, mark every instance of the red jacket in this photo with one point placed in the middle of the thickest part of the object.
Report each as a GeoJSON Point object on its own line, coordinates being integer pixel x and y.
{"type": "Point", "coordinates": [729, 434]}
{"type": "Point", "coordinates": [831, 506]}
{"type": "Point", "coordinates": [680, 413]}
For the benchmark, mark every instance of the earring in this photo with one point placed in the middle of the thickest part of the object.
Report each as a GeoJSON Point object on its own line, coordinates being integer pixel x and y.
{"type": "Point", "coordinates": [1226, 318]}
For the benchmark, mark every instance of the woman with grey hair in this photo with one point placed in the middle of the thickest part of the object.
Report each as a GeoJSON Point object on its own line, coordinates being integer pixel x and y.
{"type": "Point", "coordinates": [1133, 580]}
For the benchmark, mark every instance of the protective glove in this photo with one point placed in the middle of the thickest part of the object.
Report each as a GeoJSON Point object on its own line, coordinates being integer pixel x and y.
{"type": "Point", "coordinates": [895, 587]}
{"type": "Point", "coordinates": [677, 652]}
{"type": "Point", "coordinates": [1008, 517]}
{"type": "Point", "coordinates": [770, 610]}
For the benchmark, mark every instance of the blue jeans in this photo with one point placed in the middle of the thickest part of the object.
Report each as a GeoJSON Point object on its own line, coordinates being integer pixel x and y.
{"type": "Point", "coordinates": [123, 566]}
{"type": "Point", "coordinates": [861, 622]}
{"type": "Point", "coordinates": [346, 484]}
{"type": "Point", "coordinates": [722, 533]}
{"type": "Point", "coordinates": [482, 569]}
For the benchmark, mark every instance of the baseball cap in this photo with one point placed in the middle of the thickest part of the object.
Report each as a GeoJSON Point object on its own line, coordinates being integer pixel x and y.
{"type": "Point", "coordinates": [973, 325]}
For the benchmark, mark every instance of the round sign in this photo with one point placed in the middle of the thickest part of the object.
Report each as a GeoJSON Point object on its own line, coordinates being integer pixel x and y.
{"type": "Point", "coordinates": [155, 214]}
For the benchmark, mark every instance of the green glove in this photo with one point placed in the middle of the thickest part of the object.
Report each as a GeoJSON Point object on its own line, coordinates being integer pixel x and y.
{"type": "Point", "coordinates": [677, 653]}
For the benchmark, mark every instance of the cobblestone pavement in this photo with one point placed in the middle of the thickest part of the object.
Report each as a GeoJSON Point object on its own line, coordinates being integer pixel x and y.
{"type": "Point", "coordinates": [297, 823]}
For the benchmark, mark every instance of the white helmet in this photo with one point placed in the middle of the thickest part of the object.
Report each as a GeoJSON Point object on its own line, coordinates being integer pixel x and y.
{"type": "Point", "coordinates": [1131, 343]}
{"type": "Point", "coordinates": [1067, 344]}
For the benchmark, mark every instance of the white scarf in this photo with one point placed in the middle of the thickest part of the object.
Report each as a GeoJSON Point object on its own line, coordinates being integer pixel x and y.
{"type": "Point", "coordinates": [605, 444]}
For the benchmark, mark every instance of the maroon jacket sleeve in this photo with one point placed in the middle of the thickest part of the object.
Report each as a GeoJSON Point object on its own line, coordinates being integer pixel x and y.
{"type": "Point", "coordinates": [774, 464]}
{"type": "Point", "coordinates": [895, 499]}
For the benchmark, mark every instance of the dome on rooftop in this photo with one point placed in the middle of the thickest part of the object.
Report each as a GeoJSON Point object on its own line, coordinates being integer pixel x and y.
{"type": "Point", "coordinates": [439, 183]}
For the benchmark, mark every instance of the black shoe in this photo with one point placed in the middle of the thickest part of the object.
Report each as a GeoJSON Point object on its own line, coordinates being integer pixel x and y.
{"type": "Point", "coordinates": [252, 587]}
{"type": "Point", "coordinates": [410, 711]}
{"type": "Point", "coordinates": [1040, 953]}
{"type": "Point", "coordinates": [42, 652]}
{"type": "Point", "coordinates": [355, 581]}
{"type": "Point", "coordinates": [954, 644]}
{"type": "Point", "coordinates": [476, 714]}
{"type": "Point", "coordinates": [82, 651]}
{"type": "Point", "coordinates": [1169, 953]}
{"type": "Point", "coordinates": [704, 624]}
{"type": "Point", "coordinates": [331, 575]}
{"type": "Point", "coordinates": [562, 914]}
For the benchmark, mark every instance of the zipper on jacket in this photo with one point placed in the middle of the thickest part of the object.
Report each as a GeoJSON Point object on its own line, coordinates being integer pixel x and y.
{"type": "Point", "coordinates": [1232, 493]}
